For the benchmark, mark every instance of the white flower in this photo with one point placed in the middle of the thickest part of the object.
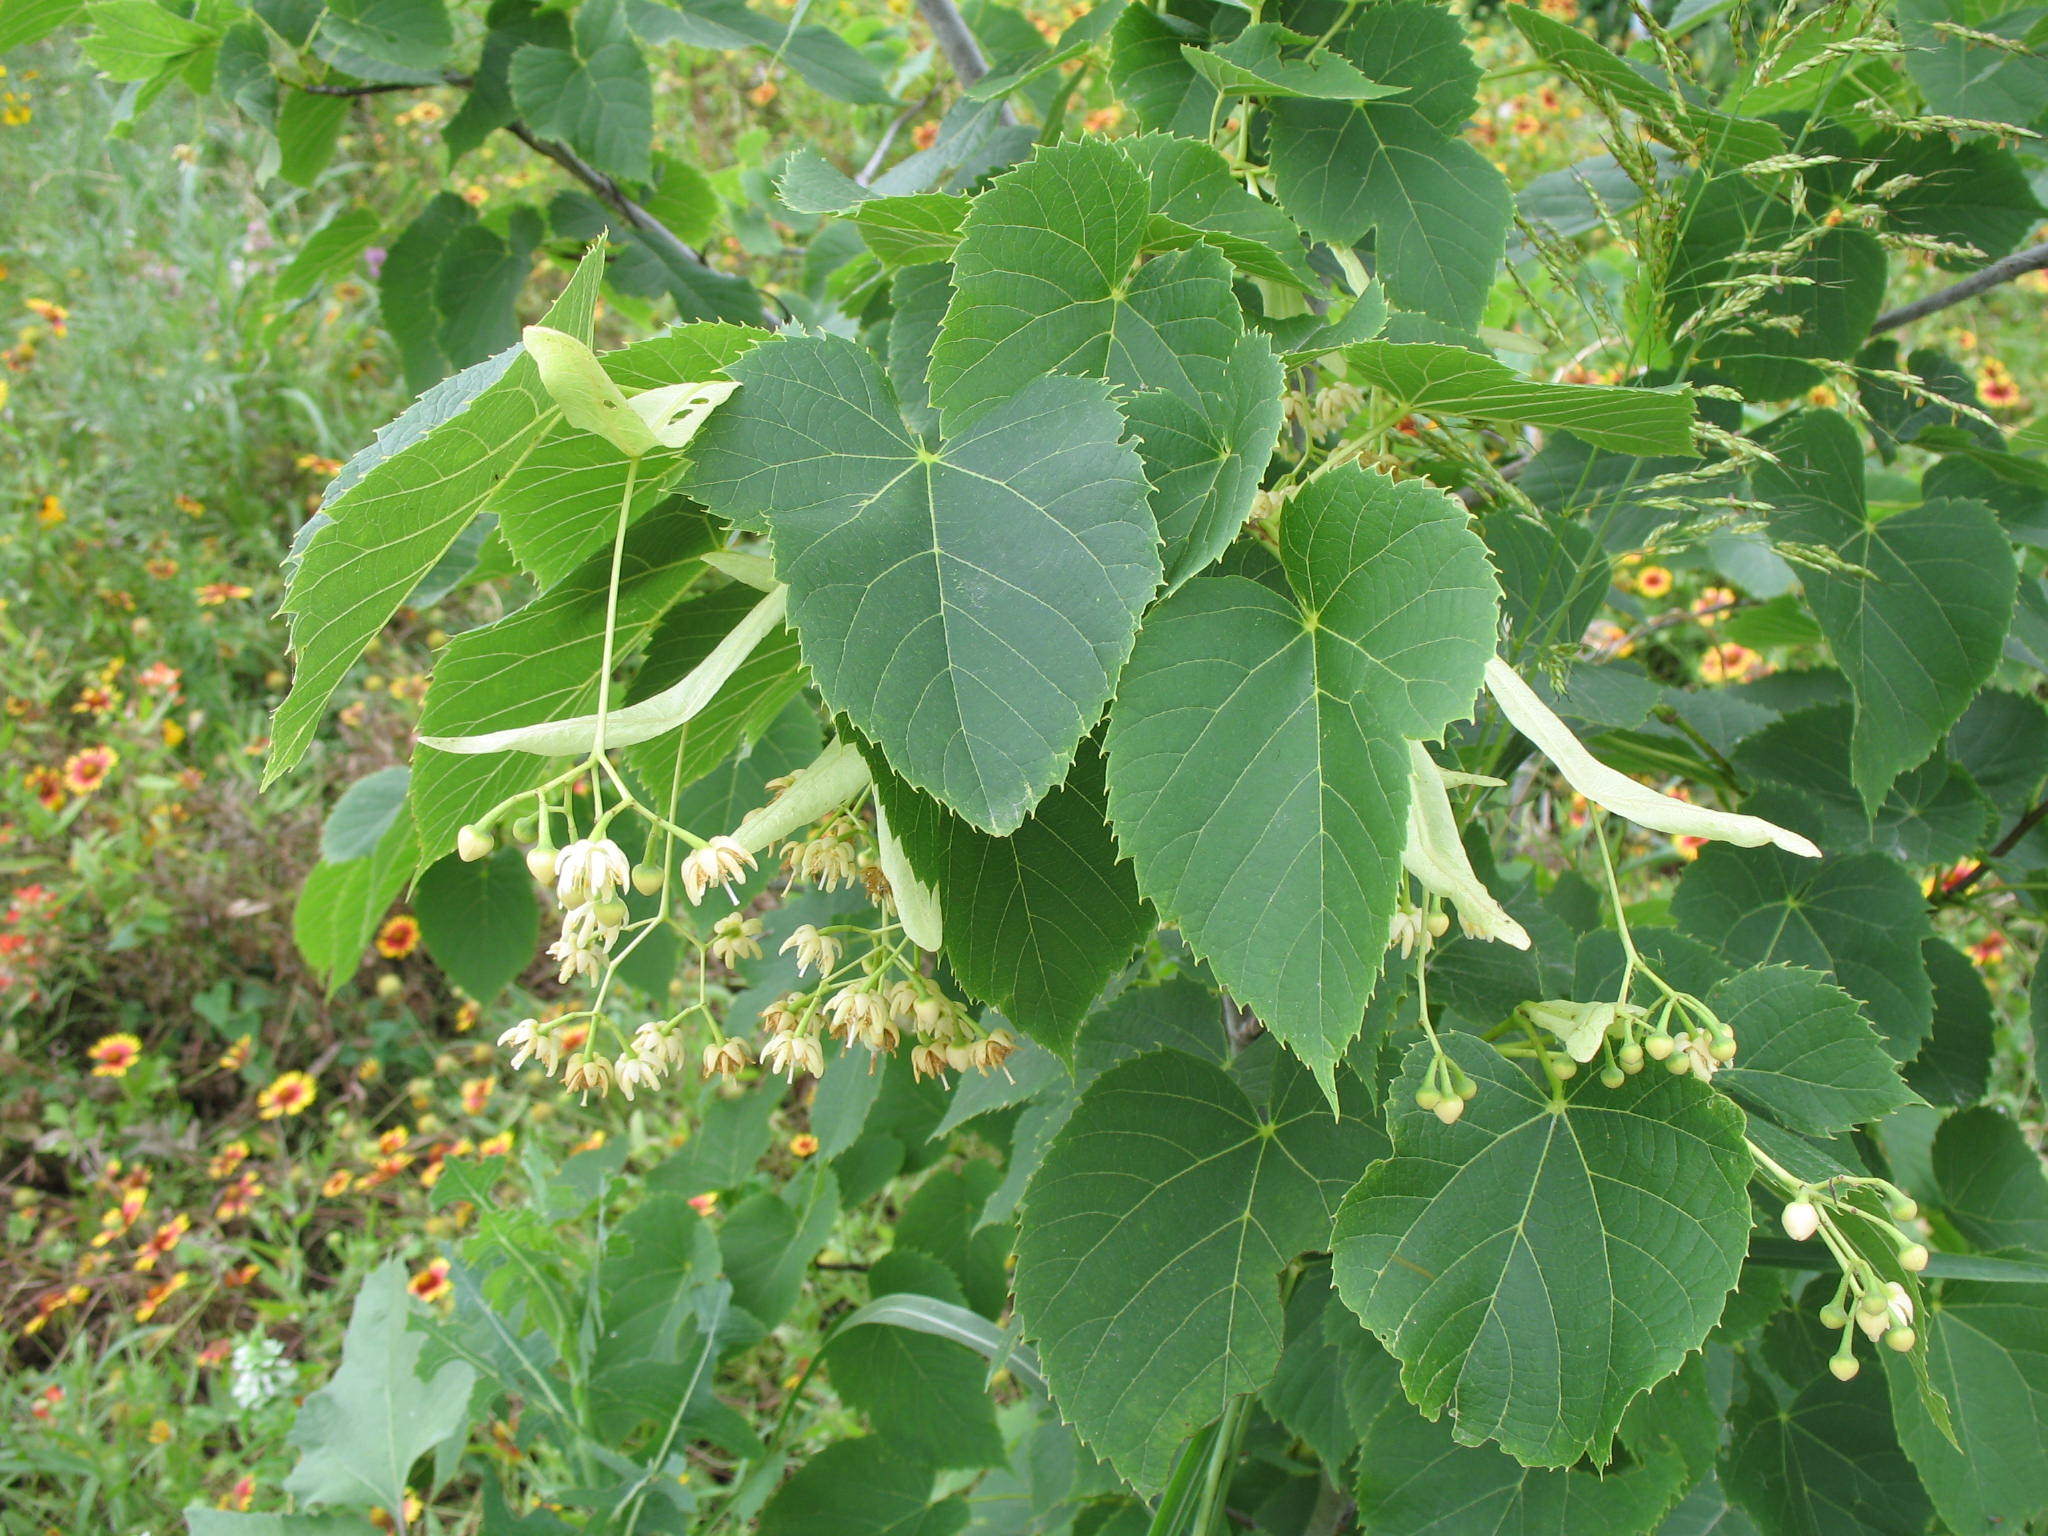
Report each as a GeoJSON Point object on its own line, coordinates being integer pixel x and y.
{"type": "Point", "coordinates": [590, 870]}
{"type": "Point", "coordinates": [735, 938]}
{"type": "Point", "coordinates": [1882, 1312]}
{"type": "Point", "coordinates": [588, 1073]}
{"type": "Point", "coordinates": [1617, 792]}
{"type": "Point", "coordinates": [633, 1069]}
{"type": "Point", "coordinates": [719, 862]}
{"type": "Point", "coordinates": [787, 1055]}
{"type": "Point", "coordinates": [261, 1374]}
{"type": "Point", "coordinates": [526, 1035]}
{"type": "Point", "coordinates": [1435, 856]}
{"type": "Point", "coordinates": [814, 950]}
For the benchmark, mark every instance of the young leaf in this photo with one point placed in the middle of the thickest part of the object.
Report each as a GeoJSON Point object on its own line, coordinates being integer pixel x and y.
{"type": "Point", "coordinates": [360, 1434]}
{"type": "Point", "coordinates": [919, 577]}
{"type": "Point", "coordinates": [1156, 1225]}
{"type": "Point", "coordinates": [1251, 64]}
{"type": "Point", "coordinates": [400, 519]}
{"type": "Point", "coordinates": [1808, 1058]}
{"type": "Point", "coordinates": [1258, 747]}
{"type": "Point", "coordinates": [1920, 634]}
{"type": "Point", "coordinates": [597, 99]}
{"type": "Point", "coordinates": [1194, 193]}
{"type": "Point", "coordinates": [479, 921]}
{"type": "Point", "coordinates": [1517, 1265]}
{"type": "Point", "coordinates": [342, 902]}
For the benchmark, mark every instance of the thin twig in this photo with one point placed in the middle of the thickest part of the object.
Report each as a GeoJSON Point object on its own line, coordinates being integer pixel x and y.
{"type": "Point", "coordinates": [380, 88]}
{"type": "Point", "coordinates": [956, 41]}
{"type": "Point", "coordinates": [2018, 264]}
{"type": "Point", "coordinates": [2006, 844]}
{"type": "Point", "coordinates": [608, 191]}
{"type": "Point", "coordinates": [867, 172]}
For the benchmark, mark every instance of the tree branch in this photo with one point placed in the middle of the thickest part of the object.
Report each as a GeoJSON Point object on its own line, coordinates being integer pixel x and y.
{"type": "Point", "coordinates": [608, 191]}
{"type": "Point", "coordinates": [2018, 264]}
{"type": "Point", "coordinates": [2006, 844]}
{"type": "Point", "coordinates": [957, 42]}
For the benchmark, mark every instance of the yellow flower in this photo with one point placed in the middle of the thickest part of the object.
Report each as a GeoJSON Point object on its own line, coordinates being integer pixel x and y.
{"type": "Point", "coordinates": [191, 506]}
{"type": "Point", "coordinates": [398, 938]}
{"type": "Point", "coordinates": [113, 1055]}
{"type": "Point", "coordinates": [50, 512]}
{"type": "Point", "coordinates": [291, 1094]}
{"type": "Point", "coordinates": [1653, 581]}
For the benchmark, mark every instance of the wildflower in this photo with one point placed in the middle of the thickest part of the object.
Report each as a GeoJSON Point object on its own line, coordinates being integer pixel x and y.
{"type": "Point", "coordinates": [227, 1160]}
{"type": "Point", "coordinates": [1989, 950]}
{"type": "Point", "coordinates": [467, 1015]}
{"type": "Point", "coordinates": [159, 677]}
{"type": "Point", "coordinates": [240, 1277]}
{"type": "Point", "coordinates": [215, 593]}
{"type": "Point", "coordinates": [47, 785]}
{"type": "Point", "coordinates": [50, 511]}
{"type": "Point", "coordinates": [735, 938]}
{"type": "Point", "coordinates": [261, 1373]}
{"type": "Point", "coordinates": [588, 1073]}
{"type": "Point", "coordinates": [1688, 846]}
{"type": "Point", "coordinates": [803, 1145]}
{"type": "Point", "coordinates": [814, 950]}
{"type": "Point", "coordinates": [1617, 792]}
{"type": "Point", "coordinates": [705, 1203]}
{"type": "Point", "coordinates": [719, 862]}
{"type": "Point", "coordinates": [499, 1145]}
{"type": "Point", "coordinates": [726, 1058]}
{"type": "Point", "coordinates": [633, 1070]}
{"type": "Point", "coordinates": [393, 1141]}
{"type": "Point", "coordinates": [160, 1432]}
{"type": "Point", "coordinates": [1102, 119]}
{"type": "Point", "coordinates": [1653, 581]}
{"type": "Point", "coordinates": [1711, 604]}
{"type": "Point", "coordinates": [431, 1283]}
{"type": "Point", "coordinates": [86, 771]}
{"type": "Point", "coordinates": [763, 93]}
{"type": "Point", "coordinates": [215, 1353]}
{"type": "Point", "coordinates": [336, 1184]}
{"type": "Point", "coordinates": [318, 464]}
{"type": "Point", "coordinates": [1823, 396]}
{"type": "Point", "coordinates": [1527, 125]}
{"type": "Point", "coordinates": [238, 1198]}
{"type": "Point", "coordinates": [113, 1055]}
{"type": "Point", "coordinates": [1997, 387]}
{"type": "Point", "coordinates": [191, 506]}
{"type": "Point", "coordinates": [1729, 663]}
{"type": "Point", "coordinates": [236, 1056]}
{"type": "Point", "coordinates": [399, 937]}
{"type": "Point", "coordinates": [590, 1143]}
{"type": "Point", "coordinates": [241, 1495]}
{"type": "Point", "coordinates": [476, 194]}
{"type": "Point", "coordinates": [925, 135]}
{"type": "Point", "coordinates": [52, 315]}
{"type": "Point", "coordinates": [787, 1055]}
{"type": "Point", "coordinates": [291, 1094]}
{"type": "Point", "coordinates": [476, 1093]}
{"type": "Point", "coordinates": [154, 1299]}
{"type": "Point", "coordinates": [163, 1240]}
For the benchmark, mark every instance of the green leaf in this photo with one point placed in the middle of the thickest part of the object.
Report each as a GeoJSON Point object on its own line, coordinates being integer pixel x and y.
{"type": "Point", "coordinates": [1307, 1393]}
{"type": "Point", "coordinates": [479, 921]}
{"type": "Point", "coordinates": [1519, 1267]}
{"type": "Point", "coordinates": [140, 40]}
{"type": "Point", "coordinates": [1920, 635]}
{"type": "Point", "coordinates": [1822, 1459]}
{"type": "Point", "coordinates": [1194, 197]}
{"type": "Point", "coordinates": [1987, 1354]}
{"type": "Point", "coordinates": [1155, 1227]}
{"type": "Point", "coordinates": [770, 1239]}
{"type": "Point", "coordinates": [923, 1313]}
{"type": "Point", "coordinates": [539, 664]}
{"type": "Point", "coordinates": [1932, 814]}
{"type": "Point", "coordinates": [1152, 76]}
{"type": "Point", "coordinates": [1973, 193]}
{"type": "Point", "coordinates": [827, 61]}
{"type": "Point", "coordinates": [924, 1395]}
{"type": "Point", "coordinates": [1450, 381]}
{"type": "Point", "coordinates": [1954, 1065]}
{"type": "Point", "coordinates": [30, 21]}
{"type": "Point", "coordinates": [1038, 922]}
{"type": "Point", "coordinates": [398, 521]}
{"type": "Point", "coordinates": [599, 99]}
{"type": "Point", "coordinates": [201, 1521]}
{"type": "Point", "coordinates": [731, 1136]}
{"type": "Point", "coordinates": [910, 231]}
{"type": "Point", "coordinates": [1043, 283]}
{"type": "Point", "coordinates": [860, 1487]}
{"type": "Point", "coordinates": [918, 577]}
{"type": "Point", "coordinates": [405, 286]}
{"type": "Point", "coordinates": [1414, 1479]}
{"type": "Point", "coordinates": [1993, 1190]}
{"type": "Point", "coordinates": [1438, 210]}
{"type": "Point", "coordinates": [1258, 758]}
{"type": "Point", "coordinates": [943, 1220]}
{"type": "Point", "coordinates": [1251, 64]}
{"type": "Point", "coordinates": [341, 904]}
{"type": "Point", "coordinates": [359, 1435]}
{"type": "Point", "coordinates": [477, 281]}
{"type": "Point", "coordinates": [409, 39]}
{"type": "Point", "coordinates": [1953, 57]}
{"type": "Point", "coordinates": [330, 250]}
{"type": "Point", "coordinates": [1861, 918]}
{"type": "Point", "coordinates": [1662, 110]}
{"type": "Point", "coordinates": [363, 814]}
{"type": "Point", "coordinates": [1808, 1058]}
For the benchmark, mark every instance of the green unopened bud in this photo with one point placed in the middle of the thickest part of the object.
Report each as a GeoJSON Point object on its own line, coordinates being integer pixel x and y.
{"type": "Point", "coordinates": [1913, 1258]}
{"type": "Point", "coordinates": [1449, 1110]}
{"type": "Point", "coordinates": [1564, 1067]}
{"type": "Point", "coordinates": [610, 914]}
{"type": "Point", "coordinates": [1901, 1338]}
{"type": "Point", "coordinates": [1844, 1367]}
{"type": "Point", "coordinates": [647, 879]}
{"type": "Point", "coordinates": [540, 863]}
{"type": "Point", "coordinates": [1833, 1317]}
{"type": "Point", "coordinates": [1723, 1048]}
{"type": "Point", "coordinates": [1678, 1064]}
{"type": "Point", "coordinates": [1904, 1208]}
{"type": "Point", "coordinates": [525, 829]}
{"type": "Point", "coordinates": [1428, 1098]}
{"type": "Point", "coordinates": [474, 843]}
{"type": "Point", "coordinates": [1631, 1058]}
{"type": "Point", "coordinates": [1872, 1303]}
{"type": "Point", "coordinates": [1659, 1047]}
{"type": "Point", "coordinates": [1438, 925]}
{"type": "Point", "coordinates": [1612, 1077]}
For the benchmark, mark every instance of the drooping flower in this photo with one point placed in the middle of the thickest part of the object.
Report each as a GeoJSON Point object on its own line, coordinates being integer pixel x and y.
{"type": "Point", "coordinates": [291, 1094]}
{"type": "Point", "coordinates": [1616, 792]}
{"type": "Point", "coordinates": [113, 1055]}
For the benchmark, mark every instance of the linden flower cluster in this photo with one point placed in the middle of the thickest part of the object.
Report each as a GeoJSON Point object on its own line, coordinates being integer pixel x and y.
{"type": "Point", "coordinates": [1881, 1309]}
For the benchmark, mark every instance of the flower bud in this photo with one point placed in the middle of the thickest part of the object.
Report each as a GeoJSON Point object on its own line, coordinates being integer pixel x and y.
{"type": "Point", "coordinates": [1439, 924]}
{"type": "Point", "coordinates": [540, 863]}
{"type": "Point", "coordinates": [1564, 1068]}
{"type": "Point", "coordinates": [1833, 1318]}
{"type": "Point", "coordinates": [1631, 1056]}
{"type": "Point", "coordinates": [647, 879]}
{"type": "Point", "coordinates": [610, 914]}
{"type": "Point", "coordinates": [1901, 1338]}
{"type": "Point", "coordinates": [474, 843]}
{"type": "Point", "coordinates": [1660, 1047]}
{"type": "Point", "coordinates": [1428, 1098]}
{"type": "Point", "coordinates": [1913, 1258]}
{"type": "Point", "coordinates": [1724, 1048]}
{"type": "Point", "coordinates": [1612, 1077]}
{"type": "Point", "coordinates": [1678, 1064]}
{"type": "Point", "coordinates": [1450, 1109]}
{"type": "Point", "coordinates": [1802, 1220]}
{"type": "Point", "coordinates": [389, 986]}
{"type": "Point", "coordinates": [525, 829]}
{"type": "Point", "coordinates": [1904, 1208]}
{"type": "Point", "coordinates": [1844, 1367]}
